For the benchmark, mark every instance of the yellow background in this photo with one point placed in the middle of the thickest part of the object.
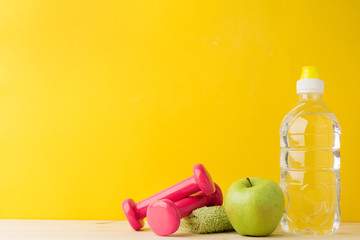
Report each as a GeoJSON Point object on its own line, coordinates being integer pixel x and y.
{"type": "Point", "coordinates": [105, 100]}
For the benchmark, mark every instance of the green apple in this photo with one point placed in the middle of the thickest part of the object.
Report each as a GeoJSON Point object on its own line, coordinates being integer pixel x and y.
{"type": "Point", "coordinates": [254, 206]}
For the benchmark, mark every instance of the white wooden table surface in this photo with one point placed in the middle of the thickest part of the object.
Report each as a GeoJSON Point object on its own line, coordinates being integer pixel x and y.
{"type": "Point", "coordinates": [104, 230]}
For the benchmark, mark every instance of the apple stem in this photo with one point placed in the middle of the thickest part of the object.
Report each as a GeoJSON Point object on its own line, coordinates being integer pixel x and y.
{"type": "Point", "coordinates": [249, 182]}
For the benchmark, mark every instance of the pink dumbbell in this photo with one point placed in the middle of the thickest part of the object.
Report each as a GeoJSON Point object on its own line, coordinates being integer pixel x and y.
{"type": "Point", "coordinates": [164, 215]}
{"type": "Point", "coordinates": [200, 181]}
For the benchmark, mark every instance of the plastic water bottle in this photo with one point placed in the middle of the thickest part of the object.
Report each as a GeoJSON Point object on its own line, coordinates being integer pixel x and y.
{"type": "Point", "coordinates": [310, 161]}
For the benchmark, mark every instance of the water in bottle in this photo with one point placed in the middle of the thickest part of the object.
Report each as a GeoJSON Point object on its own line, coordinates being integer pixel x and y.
{"type": "Point", "coordinates": [310, 161]}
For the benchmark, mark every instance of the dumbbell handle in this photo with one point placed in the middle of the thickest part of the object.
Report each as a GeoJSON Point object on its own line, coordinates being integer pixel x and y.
{"type": "Point", "coordinates": [186, 187]}
{"type": "Point", "coordinates": [189, 204]}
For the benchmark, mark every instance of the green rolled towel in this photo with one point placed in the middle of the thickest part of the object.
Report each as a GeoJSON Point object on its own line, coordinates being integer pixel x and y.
{"type": "Point", "coordinates": [206, 220]}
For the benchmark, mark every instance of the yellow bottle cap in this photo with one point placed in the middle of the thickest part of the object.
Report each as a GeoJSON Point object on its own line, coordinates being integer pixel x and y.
{"type": "Point", "coordinates": [310, 81]}
{"type": "Point", "coordinates": [310, 72]}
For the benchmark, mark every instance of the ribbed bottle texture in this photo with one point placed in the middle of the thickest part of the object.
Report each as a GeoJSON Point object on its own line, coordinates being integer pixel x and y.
{"type": "Point", "coordinates": [310, 162]}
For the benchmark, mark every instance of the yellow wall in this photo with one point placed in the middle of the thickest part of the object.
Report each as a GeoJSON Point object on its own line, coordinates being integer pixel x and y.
{"type": "Point", "coordinates": [104, 100]}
